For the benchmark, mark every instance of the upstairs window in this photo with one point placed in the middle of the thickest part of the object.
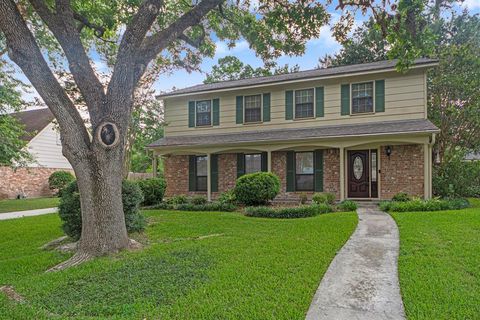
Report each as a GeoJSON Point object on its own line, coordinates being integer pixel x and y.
{"type": "Point", "coordinates": [304, 103]}
{"type": "Point", "coordinates": [253, 108]}
{"type": "Point", "coordinates": [304, 173]}
{"type": "Point", "coordinates": [203, 113]}
{"type": "Point", "coordinates": [253, 163]}
{"type": "Point", "coordinates": [201, 173]}
{"type": "Point", "coordinates": [362, 97]}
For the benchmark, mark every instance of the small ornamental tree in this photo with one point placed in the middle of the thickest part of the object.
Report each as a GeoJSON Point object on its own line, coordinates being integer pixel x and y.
{"type": "Point", "coordinates": [257, 188]}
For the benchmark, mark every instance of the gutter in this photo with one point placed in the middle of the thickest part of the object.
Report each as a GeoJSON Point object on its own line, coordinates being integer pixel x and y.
{"type": "Point", "coordinates": [434, 131]}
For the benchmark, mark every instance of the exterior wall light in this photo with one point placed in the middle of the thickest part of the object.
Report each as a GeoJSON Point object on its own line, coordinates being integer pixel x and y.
{"type": "Point", "coordinates": [388, 151]}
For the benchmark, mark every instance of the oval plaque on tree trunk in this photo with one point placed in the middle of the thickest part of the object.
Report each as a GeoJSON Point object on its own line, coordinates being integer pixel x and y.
{"type": "Point", "coordinates": [107, 134]}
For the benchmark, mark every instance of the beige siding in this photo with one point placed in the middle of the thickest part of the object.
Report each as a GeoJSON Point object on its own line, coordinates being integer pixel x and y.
{"type": "Point", "coordinates": [47, 150]}
{"type": "Point", "coordinates": [404, 100]}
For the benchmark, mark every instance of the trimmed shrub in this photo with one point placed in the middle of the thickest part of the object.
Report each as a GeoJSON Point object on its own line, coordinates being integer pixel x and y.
{"type": "Point", "coordinates": [288, 212]}
{"type": "Point", "coordinates": [70, 211]}
{"type": "Point", "coordinates": [228, 197]}
{"type": "Point", "coordinates": [132, 197]}
{"type": "Point", "coordinates": [71, 215]}
{"type": "Point", "coordinates": [401, 196]}
{"type": "Point", "coordinates": [211, 206]}
{"type": "Point", "coordinates": [153, 190]}
{"type": "Point", "coordinates": [257, 188]}
{"type": "Point", "coordinates": [199, 200]}
{"type": "Point", "coordinates": [347, 205]}
{"type": "Point", "coordinates": [424, 205]}
{"type": "Point", "coordinates": [324, 197]}
{"type": "Point", "coordinates": [177, 199]}
{"type": "Point", "coordinates": [59, 180]}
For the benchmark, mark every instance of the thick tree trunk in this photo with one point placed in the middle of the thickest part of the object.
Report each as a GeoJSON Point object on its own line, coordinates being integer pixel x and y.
{"type": "Point", "coordinates": [103, 220]}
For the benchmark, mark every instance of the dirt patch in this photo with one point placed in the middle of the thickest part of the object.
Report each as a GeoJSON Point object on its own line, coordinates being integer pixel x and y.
{"type": "Point", "coordinates": [11, 294]}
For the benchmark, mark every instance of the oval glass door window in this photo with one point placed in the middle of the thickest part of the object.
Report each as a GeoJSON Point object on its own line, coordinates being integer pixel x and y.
{"type": "Point", "coordinates": [358, 168]}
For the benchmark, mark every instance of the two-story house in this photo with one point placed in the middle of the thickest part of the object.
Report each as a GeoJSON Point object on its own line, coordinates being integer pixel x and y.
{"type": "Point", "coordinates": [359, 131]}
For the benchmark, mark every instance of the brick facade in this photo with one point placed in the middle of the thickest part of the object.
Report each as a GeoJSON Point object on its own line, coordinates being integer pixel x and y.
{"type": "Point", "coordinates": [176, 175]}
{"type": "Point", "coordinates": [403, 171]}
{"type": "Point", "coordinates": [331, 174]}
{"type": "Point", "coordinates": [31, 182]}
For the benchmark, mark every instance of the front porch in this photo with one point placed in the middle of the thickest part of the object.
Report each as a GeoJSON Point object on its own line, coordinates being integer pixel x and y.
{"type": "Point", "coordinates": [389, 164]}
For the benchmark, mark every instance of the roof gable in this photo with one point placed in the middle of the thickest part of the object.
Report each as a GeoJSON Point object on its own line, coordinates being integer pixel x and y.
{"type": "Point", "coordinates": [298, 76]}
{"type": "Point", "coordinates": [34, 121]}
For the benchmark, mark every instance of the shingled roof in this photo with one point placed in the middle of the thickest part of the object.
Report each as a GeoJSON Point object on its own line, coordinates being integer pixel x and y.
{"type": "Point", "coordinates": [300, 75]}
{"type": "Point", "coordinates": [34, 121]}
{"type": "Point", "coordinates": [275, 135]}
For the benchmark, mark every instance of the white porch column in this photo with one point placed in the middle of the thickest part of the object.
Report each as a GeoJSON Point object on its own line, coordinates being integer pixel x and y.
{"type": "Point", "coordinates": [209, 178]}
{"type": "Point", "coordinates": [342, 173]}
{"type": "Point", "coordinates": [269, 161]}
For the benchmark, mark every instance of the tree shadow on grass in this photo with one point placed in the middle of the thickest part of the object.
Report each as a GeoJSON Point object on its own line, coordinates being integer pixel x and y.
{"type": "Point", "coordinates": [131, 288]}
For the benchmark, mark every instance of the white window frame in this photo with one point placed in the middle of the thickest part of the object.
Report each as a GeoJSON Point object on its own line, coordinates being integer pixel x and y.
{"type": "Point", "coordinates": [211, 114]}
{"type": "Point", "coordinates": [261, 109]}
{"type": "Point", "coordinates": [351, 98]}
{"type": "Point", "coordinates": [251, 154]}
{"type": "Point", "coordinates": [295, 104]}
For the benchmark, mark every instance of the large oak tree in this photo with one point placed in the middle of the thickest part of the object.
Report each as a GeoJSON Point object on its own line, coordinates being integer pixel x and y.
{"type": "Point", "coordinates": [134, 36]}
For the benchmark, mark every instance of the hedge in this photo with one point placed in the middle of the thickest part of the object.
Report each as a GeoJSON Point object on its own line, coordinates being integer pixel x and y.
{"type": "Point", "coordinates": [424, 205]}
{"type": "Point", "coordinates": [288, 212]}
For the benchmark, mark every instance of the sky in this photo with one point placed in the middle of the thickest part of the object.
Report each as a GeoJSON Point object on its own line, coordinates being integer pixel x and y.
{"type": "Point", "coordinates": [315, 49]}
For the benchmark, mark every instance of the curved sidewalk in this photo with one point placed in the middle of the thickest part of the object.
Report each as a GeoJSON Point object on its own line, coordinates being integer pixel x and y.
{"type": "Point", "coordinates": [26, 213]}
{"type": "Point", "coordinates": [362, 280]}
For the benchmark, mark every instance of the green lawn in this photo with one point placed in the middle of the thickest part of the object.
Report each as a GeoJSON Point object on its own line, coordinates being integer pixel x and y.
{"type": "Point", "coordinates": [249, 268]}
{"type": "Point", "coordinates": [27, 204]}
{"type": "Point", "coordinates": [439, 263]}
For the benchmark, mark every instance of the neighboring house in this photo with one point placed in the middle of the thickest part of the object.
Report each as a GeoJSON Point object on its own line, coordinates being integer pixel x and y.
{"type": "Point", "coordinates": [359, 131]}
{"type": "Point", "coordinates": [43, 142]}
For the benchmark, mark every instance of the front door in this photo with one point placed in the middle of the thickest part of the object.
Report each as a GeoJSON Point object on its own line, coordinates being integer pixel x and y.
{"type": "Point", "coordinates": [358, 174]}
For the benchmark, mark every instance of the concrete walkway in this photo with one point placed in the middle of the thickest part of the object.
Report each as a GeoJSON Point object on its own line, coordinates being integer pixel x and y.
{"type": "Point", "coordinates": [362, 280]}
{"type": "Point", "coordinates": [26, 213]}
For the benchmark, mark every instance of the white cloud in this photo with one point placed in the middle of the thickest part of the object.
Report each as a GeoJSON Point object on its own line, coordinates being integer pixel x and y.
{"type": "Point", "coordinates": [326, 38]}
{"type": "Point", "coordinates": [471, 4]}
{"type": "Point", "coordinates": [223, 49]}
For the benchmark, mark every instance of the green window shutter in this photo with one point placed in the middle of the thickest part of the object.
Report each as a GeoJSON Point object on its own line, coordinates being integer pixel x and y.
{"type": "Point", "coordinates": [380, 96]}
{"type": "Point", "coordinates": [345, 101]}
{"type": "Point", "coordinates": [239, 109]}
{"type": "Point", "coordinates": [216, 112]}
{"type": "Point", "coordinates": [318, 157]}
{"type": "Point", "coordinates": [289, 105]}
{"type": "Point", "coordinates": [290, 171]}
{"type": "Point", "coordinates": [319, 102]}
{"type": "Point", "coordinates": [192, 185]}
{"type": "Point", "coordinates": [191, 114]}
{"type": "Point", "coordinates": [214, 172]}
{"type": "Point", "coordinates": [264, 161]}
{"type": "Point", "coordinates": [266, 107]}
{"type": "Point", "coordinates": [240, 164]}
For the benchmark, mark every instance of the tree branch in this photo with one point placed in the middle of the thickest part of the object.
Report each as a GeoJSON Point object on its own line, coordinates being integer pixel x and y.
{"type": "Point", "coordinates": [24, 51]}
{"type": "Point", "coordinates": [154, 44]}
{"type": "Point", "coordinates": [62, 26]}
{"type": "Point", "coordinates": [99, 30]}
{"type": "Point", "coordinates": [123, 82]}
